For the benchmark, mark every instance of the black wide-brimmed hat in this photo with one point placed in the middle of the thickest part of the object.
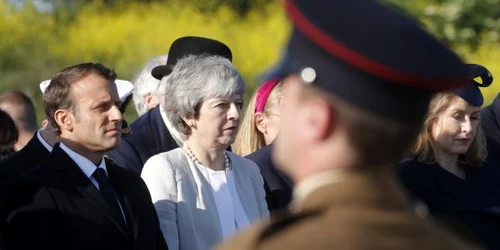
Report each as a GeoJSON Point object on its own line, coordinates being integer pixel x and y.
{"type": "Point", "coordinates": [471, 93]}
{"type": "Point", "coordinates": [191, 45]}
{"type": "Point", "coordinates": [369, 55]}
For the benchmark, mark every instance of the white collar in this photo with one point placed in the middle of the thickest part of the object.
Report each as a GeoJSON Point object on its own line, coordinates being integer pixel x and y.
{"type": "Point", "coordinates": [43, 141]}
{"type": "Point", "coordinates": [87, 167]}
{"type": "Point", "coordinates": [175, 134]}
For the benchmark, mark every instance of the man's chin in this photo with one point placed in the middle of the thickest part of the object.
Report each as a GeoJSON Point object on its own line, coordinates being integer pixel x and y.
{"type": "Point", "coordinates": [113, 144]}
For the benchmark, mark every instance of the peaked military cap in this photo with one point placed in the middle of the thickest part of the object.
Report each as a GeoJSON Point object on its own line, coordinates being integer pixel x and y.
{"type": "Point", "coordinates": [371, 56]}
{"type": "Point", "coordinates": [191, 45]}
{"type": "Point", "coordinates": [471, 93]}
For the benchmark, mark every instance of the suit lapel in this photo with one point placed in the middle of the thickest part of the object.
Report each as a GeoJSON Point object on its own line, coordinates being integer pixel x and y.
{"type": "Point", "coordinates": [245, 191]}
{"type": "Point", "coordinates": [74, 177]}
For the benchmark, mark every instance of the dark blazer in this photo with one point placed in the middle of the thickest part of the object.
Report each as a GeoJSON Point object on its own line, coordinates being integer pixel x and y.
{"type": "Point", "coordinates": [149, 137]}
{"type": "Point", "coordinates": [490, 121]}
{"type": "Point", "coordinates": [55, 206]}
{"type": "Point", "coordinates": [25, 159]}
{"type": "Point", "coordinates": [475, 201]}
{"type": "Point", "coordinates": [19, 163]}
{"type": "Point", "coordinates": [278, 185]}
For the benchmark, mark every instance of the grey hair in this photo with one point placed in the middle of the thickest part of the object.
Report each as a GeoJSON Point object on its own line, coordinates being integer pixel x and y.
{"type": "Point", "coordinates": [144, 83]}
{"type": "Point", "coordinates": [194, 80]}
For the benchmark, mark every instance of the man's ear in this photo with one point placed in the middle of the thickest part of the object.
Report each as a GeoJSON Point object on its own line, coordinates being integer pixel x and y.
{"type": "Point", "coordinates": [45, 122]}
{"type": "Point", "coordinates": [316, 119]}
{"type": "Point", "coordinates": [64, 119]}
{"type": "Point", "coordinates": [151, 100]}
{"type": "Point", "coordinates": [260, 122]}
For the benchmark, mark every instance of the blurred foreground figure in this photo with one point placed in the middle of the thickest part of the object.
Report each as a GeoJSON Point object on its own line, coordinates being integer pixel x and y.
{"type": "Point", "coordinates": [357, 101]}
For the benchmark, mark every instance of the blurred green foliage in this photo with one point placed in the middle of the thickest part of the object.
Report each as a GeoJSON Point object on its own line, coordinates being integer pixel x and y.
{"type": "Point", "coordinates": [125, 34]}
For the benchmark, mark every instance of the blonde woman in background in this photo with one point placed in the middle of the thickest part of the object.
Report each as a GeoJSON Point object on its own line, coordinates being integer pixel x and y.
{"type": "Point", "coordinates": [262, 119]}
{"type": "Point", "coordinates": [254, 141]}
{"type": "Point", "coordinates": [447, 170]}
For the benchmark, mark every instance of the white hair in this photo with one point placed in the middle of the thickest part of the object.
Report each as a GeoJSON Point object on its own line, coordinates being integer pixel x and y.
{"type": "Point", "coordinates": [144, 83]}
{"type": "Point", "coordinates": [195, 79]}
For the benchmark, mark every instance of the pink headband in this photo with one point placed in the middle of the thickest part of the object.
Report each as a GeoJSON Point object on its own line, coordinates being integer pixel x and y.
{"type": "Point", "coordinates": [263, 94]}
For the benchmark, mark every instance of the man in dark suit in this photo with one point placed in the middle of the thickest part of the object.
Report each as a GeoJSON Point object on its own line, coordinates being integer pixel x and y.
{"type": "Point", "coordinates": [42, 142]}
{"type": "Point", "coordinates": [351, 112]}
{"type": "Point", "coordinates": [152, 132]}
{"type": "Point", "coordinates": [278, 185]}
{"type": "Point", "coordinates": [77, 198]}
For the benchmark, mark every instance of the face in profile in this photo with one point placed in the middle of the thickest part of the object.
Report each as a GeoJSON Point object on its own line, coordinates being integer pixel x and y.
{"type": "Point", "coordinates": [456, 127]}
{"type": "Point", "coordinates": [95, 116]}
{"type": "Point", "coordinates": [218, 120]}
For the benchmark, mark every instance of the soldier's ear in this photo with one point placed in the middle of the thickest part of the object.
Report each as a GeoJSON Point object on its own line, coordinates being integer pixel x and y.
{"type": "Point", "coordinates": [317, 125]}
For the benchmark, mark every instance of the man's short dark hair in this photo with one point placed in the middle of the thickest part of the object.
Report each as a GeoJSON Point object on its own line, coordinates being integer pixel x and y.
{"type": "Point", "coordinates": [57, 94]}
{"type": "Point", "coordinates": [27, 119]}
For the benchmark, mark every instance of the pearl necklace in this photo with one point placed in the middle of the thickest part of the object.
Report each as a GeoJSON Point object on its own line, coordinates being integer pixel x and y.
{"type": "Point", "coordinates": [193, 157]}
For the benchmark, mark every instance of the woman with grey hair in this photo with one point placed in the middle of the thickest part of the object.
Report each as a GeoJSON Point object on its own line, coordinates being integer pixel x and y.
{"type": "Point", "coordinates": [203, 193]}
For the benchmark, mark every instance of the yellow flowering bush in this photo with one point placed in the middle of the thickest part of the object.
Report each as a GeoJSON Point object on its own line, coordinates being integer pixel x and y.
{"type": "Point", "coordinates": [125, 37]}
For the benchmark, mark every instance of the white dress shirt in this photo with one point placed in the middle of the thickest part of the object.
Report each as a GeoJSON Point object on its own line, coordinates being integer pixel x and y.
{"type": "Point", "coordinates": [173, 132]}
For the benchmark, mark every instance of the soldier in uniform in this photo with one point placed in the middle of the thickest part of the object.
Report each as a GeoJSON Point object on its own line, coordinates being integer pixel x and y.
{"type": "Point", "coordinates": [367, 74]}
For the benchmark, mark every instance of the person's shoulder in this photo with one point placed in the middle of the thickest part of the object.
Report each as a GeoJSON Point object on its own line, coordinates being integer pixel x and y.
{"type": "Point", "coordinates": [239, 158]}
{"type": "Point", "coordinates": [413, 166]}
{"type": "Point", "coordinates": [170, 161]}
{"type": "Point", "coordinates": [277, 230]}
{"type": "Point", "coordinates": [409, 170]}
{"type": "Point", "coordinates": [141, 128]}
{"type": "Point", "coordinates": [263, 154]}
{"type": "Point", "coordinates": [243, 163]}
{"type": "Point", "coordinates": [143, 119]}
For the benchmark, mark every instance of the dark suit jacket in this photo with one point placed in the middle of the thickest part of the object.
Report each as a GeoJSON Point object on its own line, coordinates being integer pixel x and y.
{"type": "Point", "coordinates": [22, 161]}
{"type": "Point", "coordinates": [363, 211]}
{"type": "Point", "coordinates": [19, 163]}
{"type": "Point", "coordinates": [475, 201]}
{"type": "Point", "coordinates": [149, 137]}
{"type": "Point", "coordinates": [490, 121]}
{"type": "Point", "coordinates": [55, 206]}
{"type": "Point", "coordinates": [277, 184]}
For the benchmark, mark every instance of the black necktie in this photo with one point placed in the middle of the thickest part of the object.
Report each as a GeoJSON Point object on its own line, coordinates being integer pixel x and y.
{"type": "Point", "coordinates": [107, 192]}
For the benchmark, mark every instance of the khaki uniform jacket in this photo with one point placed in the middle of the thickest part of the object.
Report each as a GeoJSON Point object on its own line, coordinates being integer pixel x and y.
{"type": "Point", "coordinates": [364, 210]}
